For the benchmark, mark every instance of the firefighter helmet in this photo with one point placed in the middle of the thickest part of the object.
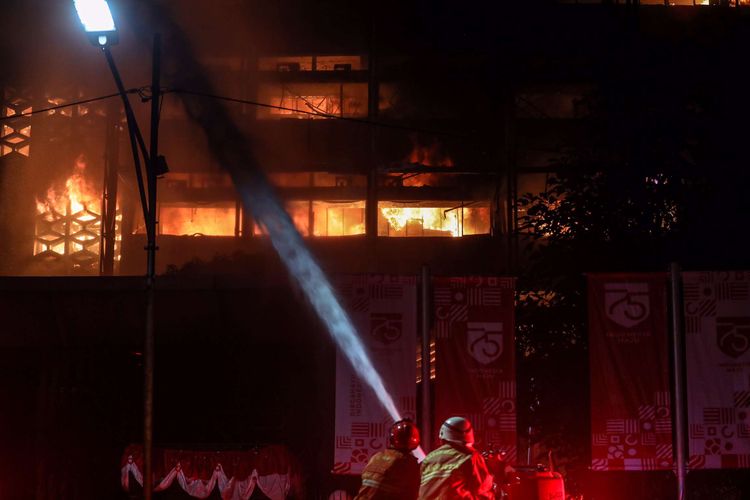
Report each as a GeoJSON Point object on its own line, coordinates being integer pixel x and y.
{"type": "Point", "coordinates": [403, 435]}
{"type": "Point", "coordinates": [457, 430]}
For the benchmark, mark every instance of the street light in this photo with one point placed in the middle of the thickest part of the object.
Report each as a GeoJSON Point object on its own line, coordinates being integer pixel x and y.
{"type": "Point", "coordinates": [99, 24]}
{"type": "Point", "coordinates": [97, 20]}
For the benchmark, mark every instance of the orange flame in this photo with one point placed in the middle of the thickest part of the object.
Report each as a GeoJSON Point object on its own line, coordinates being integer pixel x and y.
{"type": "Point", "coordinates": [206, 221]}
{"type": "Point", "coordinates": [339, 219]}
{"type": "Point", "coordinates": [428, 218]}
{"type": "Point", "coordinates": [428, 156]}
{"type": "Point", "coordinates": [69, 220]}
{"type": "Point", "coordinates": [77, 196]}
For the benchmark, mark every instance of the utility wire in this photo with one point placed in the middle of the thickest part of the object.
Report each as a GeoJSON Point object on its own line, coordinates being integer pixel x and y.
{"type": "Point", "coordinates": [319, 114]}
{"type": "Point", "coordinates": [145, 97]}
{"type": "Point", "coordinates": [66, 105]}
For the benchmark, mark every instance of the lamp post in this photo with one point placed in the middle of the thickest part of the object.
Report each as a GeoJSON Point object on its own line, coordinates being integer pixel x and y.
{"type": "Point", "coordinates": [97, 20]}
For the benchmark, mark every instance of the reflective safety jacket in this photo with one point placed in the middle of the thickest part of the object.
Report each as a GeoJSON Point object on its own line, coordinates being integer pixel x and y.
{"type": "Point", "coordinates": [390, 475]}
{"type": "Point", "coordinates": [455, 472]}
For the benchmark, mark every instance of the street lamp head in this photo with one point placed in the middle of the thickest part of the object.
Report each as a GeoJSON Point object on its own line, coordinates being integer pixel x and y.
{"type": "Point", "coordinates": [97, 20]}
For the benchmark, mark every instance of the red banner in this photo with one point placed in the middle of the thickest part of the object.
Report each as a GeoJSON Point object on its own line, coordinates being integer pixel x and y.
{"type": "Point", "coordinates": [631, 423]}
{"type": "Point", "coordinates": [384, 311]}
{"type": "Point", "coordinates": [475, 373]}
{"type": "Point", "coordinates": [717, 348]}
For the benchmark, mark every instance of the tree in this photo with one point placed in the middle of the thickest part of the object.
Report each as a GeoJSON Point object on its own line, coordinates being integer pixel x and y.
{"type": "Point", "coordinates": [626, 199]}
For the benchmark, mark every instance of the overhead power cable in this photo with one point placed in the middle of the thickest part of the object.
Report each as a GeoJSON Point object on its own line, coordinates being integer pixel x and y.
{"type": "Point", "coordinates": [144, 96]}
{"type": "Point", "coordinates": [69, 104]}
{"type": "Point", "coordinates": [321, 114]}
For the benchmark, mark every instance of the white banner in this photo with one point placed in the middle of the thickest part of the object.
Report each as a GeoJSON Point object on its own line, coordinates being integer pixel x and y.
{"type": "Point", "coordinates": [717, 331]}
{"type": "Point", "coordinates": [383, 309]}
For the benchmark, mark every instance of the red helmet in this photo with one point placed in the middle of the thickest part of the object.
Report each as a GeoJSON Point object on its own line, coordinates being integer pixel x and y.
{"type": "Point", "coordinates": [403, 435]}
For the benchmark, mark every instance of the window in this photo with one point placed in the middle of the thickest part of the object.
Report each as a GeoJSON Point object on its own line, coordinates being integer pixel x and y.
{"type": "Point", "coordinates": [564, 101]}
{"type": "Point", "coordinates": [183, 219]}
{"type": "Point", "coordinates": [338, 218]}
{"type": "Point", "coordinates": [433, 218]}
{"type": "Point", "coordinates": [312, 100]}
{"type": "Point", "coordinates": [325, 218]}
{"type": "Point", "coordinates": [313, 63]}
{"type": "Point", "coordinates": [316, 179]}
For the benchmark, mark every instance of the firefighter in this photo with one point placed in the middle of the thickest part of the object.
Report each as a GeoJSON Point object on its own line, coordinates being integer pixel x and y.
{"type": "Point", "coordinates": [456, 470]}
{"type": "Point", "coordinates": [394, 472]}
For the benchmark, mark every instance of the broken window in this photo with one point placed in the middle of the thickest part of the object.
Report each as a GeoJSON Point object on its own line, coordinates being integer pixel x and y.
{"type": "Point", "coordinates": [186, 219]}
{"type": "Point", "coordinates": [313, 63]}
{"type": "Point", "coordinates": [340, 63]}
{"type": "Point", "coordinates": [323, 204]}
{"type": "Point", "coordinates": [325, 218]}
{"type": "Point", "coordinates": [338, 218]}
{"type": "Point", "coordinates": [433, 218]}
{"type": "Point", "coordinates": [312, 100]}
{"type": "Point", "coordinates": [286, 63]}
{"type": "Point", "coordinates": [316, 179]}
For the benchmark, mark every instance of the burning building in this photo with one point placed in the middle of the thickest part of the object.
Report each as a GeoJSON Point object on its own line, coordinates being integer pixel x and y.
{"type": "Point", "coordinates": [363, 143]}
{"type": "Point", "coordinates": [316, 128]}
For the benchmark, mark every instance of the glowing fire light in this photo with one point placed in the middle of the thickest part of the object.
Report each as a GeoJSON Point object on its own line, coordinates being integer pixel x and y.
{"type": "Point", "coordinates": [69, 223]}
{"type": "Point", "coordinates": [429, 156]}
{"type": "Point", "coordinates": [339, 219]}
{"type": "Point", "coordinates": [426, 156]}
{"type": "Point", "coordinates": [206, 221]}
{"type": "Point", "coordinates": [436, 219]}
{"type": "Point", "coordinates": [76, 196]}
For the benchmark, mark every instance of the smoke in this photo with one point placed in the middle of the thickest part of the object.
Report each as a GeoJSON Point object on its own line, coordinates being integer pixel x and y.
{"type": "Point", "coordinates": [231, 148]}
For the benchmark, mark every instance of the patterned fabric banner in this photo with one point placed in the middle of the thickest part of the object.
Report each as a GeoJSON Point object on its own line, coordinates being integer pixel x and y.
{"type": "Point", "coordinates": [235, 474]}
{"type": "Point", "coordinates": [475, 374]}
{"type": "Point", "coordinates": [383, 309]}
{"type": "Point", "coordinates": [631, 421]}
{"type": "Point", "coordinates": [717, 345]}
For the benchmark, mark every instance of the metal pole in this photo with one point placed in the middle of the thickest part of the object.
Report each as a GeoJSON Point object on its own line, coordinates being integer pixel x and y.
{"type": "Point", "coordinates": [678, 353]}
{"type": "Point", "coordinates": [426, 368]}
{"type": "Point", "coordinates": [154, 157]}
{"type": "Point", "coordinates": [371, 206]}
{"type": "Point", "coordinates": [109, 193]}
{"type": "Point", "coordinates": [148, 379]}
{"type": "Point", "coordinates": [149, 215]}
{"type": "Point", "coordinates": [133, 131]}
{"type": "Point", "coordinates": [529, 446]}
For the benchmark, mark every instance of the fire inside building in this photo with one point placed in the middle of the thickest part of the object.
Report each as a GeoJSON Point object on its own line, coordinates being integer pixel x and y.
{"type": "Point", "coordinates": [424, 152]}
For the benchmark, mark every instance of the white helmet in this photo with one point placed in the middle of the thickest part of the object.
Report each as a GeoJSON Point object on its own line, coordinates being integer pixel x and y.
{"type": "Point", "coordinates": [457, 430]}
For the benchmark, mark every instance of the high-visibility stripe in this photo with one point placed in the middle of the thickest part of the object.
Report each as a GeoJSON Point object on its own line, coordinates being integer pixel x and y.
{"type": "Point", "coordinates": [385, 488]}
{"type": "Point", "coordinates": [449, 468]}
{"type": "Point", "coordinates": [442, 464]}
{"type": "Point", "coordinates": [379, 486]}
{"type": "Point", "coordinates": [440, 473]}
